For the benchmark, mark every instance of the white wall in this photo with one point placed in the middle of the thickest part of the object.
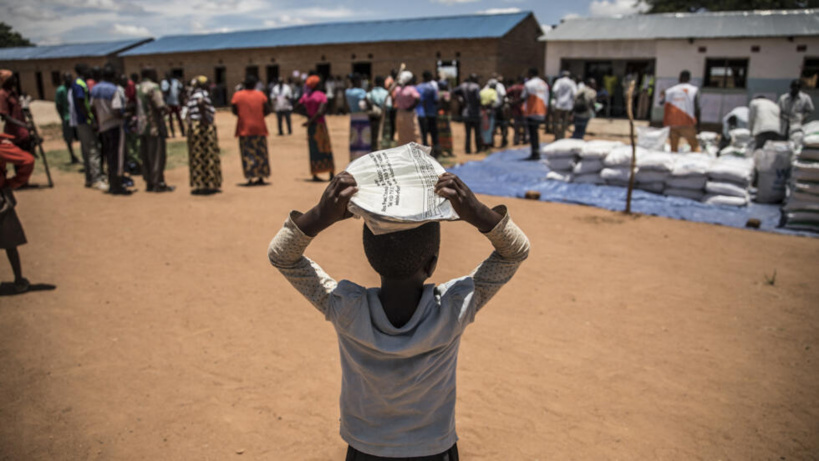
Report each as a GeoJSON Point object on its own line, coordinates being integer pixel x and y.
{"type": "Point", "coordinates": [614, 49]}
{"type": "Point", "coordinates": [777, 57]}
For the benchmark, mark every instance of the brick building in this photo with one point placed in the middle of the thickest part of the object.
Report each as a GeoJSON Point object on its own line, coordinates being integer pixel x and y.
{"type": "Point", "coordinates": [460, 45]}
{"type": "Point", "coordinates": [38, 68]}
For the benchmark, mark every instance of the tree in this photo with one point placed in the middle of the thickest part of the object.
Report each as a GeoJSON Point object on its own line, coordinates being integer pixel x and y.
{"type": "Point", "coordinates": [9, 38]}
{"type": "Point", "coordinates": [693, 6]}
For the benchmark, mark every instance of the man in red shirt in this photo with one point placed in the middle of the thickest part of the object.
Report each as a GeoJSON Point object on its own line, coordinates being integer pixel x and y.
{"type": "Point", "coordinates": [251, 107]}
{"type": "Point", "coordinates": [514, 94]}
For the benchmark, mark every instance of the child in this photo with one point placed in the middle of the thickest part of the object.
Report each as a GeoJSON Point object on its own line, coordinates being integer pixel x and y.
{"type": "Point", "coordinates": [399, 344]}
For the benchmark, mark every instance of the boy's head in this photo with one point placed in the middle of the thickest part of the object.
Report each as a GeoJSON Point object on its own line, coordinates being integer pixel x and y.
{"type": "Point", "coordinates": [404, 254]}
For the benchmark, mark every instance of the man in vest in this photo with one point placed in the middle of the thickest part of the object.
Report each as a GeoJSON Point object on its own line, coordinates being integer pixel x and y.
{"type": "Point", "coordinates": [681, 106]}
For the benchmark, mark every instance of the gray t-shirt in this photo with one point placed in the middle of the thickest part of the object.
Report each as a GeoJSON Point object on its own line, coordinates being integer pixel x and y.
{"type": "Point", "coordinates": [398, 384]}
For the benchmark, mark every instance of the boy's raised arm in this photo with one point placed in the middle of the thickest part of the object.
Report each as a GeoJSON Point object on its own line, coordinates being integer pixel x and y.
{"type": "Point", "coordinates": [511, 244]}
{"type": "Point", "coordinates": [286, 251]}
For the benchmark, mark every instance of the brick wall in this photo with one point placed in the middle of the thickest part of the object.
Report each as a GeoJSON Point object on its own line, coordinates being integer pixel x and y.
{"type": "Point", "coordinates": [27, 71]}
{"type": "Point", "coordinates": [520, 50]}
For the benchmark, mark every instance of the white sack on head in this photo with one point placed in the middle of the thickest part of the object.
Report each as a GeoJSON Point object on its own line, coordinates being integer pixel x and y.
{"type": "Point", "coordinates": [396, 189]}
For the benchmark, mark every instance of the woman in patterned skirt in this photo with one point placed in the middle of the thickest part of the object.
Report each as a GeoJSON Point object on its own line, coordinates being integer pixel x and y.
{"type": "Point", "coordinates": [251, 107]}
{"type": "Point", "coordinates": [444, 119]}
{"type": "Point", "coordinates": [314, 102]}
{"type": "Point", "coordinates": [203, 144]}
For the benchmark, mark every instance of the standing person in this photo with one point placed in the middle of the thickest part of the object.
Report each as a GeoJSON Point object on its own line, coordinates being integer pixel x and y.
{"type": "Point", "coordinates": [377, 100]}
{"type": "Point", "coordinates": [152, 132]}
{"type": "Point", "coordinates": [359, 120]}
{"type": "Point", "coordinates": [794, 107]}
{"type": "Point", "coordinates": [489, 102]}
{"type": "Point", "coordinates": [251, 107]}
{"type": "Point", "coordinates": [133, 160]}
{"type": "Point", "coordinates": [390, 84]}
{"type": "Point", "coordinates": [330, 92]}
{"type": "Point", "coordinates": [406, 97]}
{"type": "Point", "coordinates": [93, 77]}
{"type": "Point", "coordinates": [399, 342]}
{"type": "Point", "coordinates": [11, 231]}
{"type": "Point", "coordinates": [468, 94]}
{"type": "Point", "coordinates": [203, 144]}
{"type": "Point", "coordinates": [610, 85]}
{"type": "Point", "coordinates": [681, 106]}
{"type": "Point", "coordinates": [83, 120]}
{"type": "Point", "coordinates": [427, 111]}
{"type": "Point", "coordinates": [64, 110]}
{"type": "Point", "coordinates": [23, 161]}
{"type": "Point", "coordinates": [764, 121]}
{"type": "Point", "coordinates": [535, 96]}
{"type": "Point", "coordinates": [172, 90]}
{"type": "Point", "coordinates": [584, 108]}
{"type": "Point", "coordinates": [564, 91]}
{"type": "Point", "coordinates": [282, 103]}
{"type": "Point", "coordinates": [339, 88]}
{"type": "Point", "coordinates": [318, 137]}
{"type": "Point", "coordinates": [513, 95]}
{"type": "Point", "coordinates": [108, 102]}
{"type": "Point", "coordinates": [445, 119]}
{"type": "Point", "coordinates": [501, 110]}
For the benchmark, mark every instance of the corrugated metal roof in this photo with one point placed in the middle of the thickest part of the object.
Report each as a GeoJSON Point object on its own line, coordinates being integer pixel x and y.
{"type": "Point", "coordinates": [440, 28]}
{"type": "Point", "coordinates": [732, 24]}
{"type": "Point", "coordinates": [71, 50]}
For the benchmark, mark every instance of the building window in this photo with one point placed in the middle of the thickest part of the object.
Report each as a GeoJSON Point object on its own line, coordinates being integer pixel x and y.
{"type": "Point", "coordinates": [726, 73]}
{"type": "Point", "coordinates": [810, 72]}
{"type": "Point", "coordinates": [56, 80]}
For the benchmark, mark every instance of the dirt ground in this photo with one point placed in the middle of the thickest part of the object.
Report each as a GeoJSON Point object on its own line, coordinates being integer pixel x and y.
{"type": "Point", "coordinates": [169, 335]}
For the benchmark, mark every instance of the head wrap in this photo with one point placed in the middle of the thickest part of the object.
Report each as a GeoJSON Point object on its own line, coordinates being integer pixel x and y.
{"type": "Point", "coordinates": [313, 81]}
{"type": "Point", "coordinates": [404, 77]}
{"type": "Point", "coordinates": [201, 79]}
{"type": "Point", "coordinates": [492, 81]}
{"type": "Point", "coordinates": [5, 74]}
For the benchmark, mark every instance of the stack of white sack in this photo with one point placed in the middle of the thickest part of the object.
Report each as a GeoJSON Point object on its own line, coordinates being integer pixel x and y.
{"type": "Point", "coordinates": [396, 189]}
{"type": "Point", "coordinates": [587, 169]}
{"type": "Point", "coordinates": [741, 141]}
{"type": "Point", "coordinates": [688, 176]}
{"type": "Point", "coordinates": [773, 168]}
{"type": "Point", "coordinates": [560, 158]}
{"type": "Point", "coordinates": [617, 165]}
{"type": "Point", "coordinates": [652, 138]}
{"type": "Point", "coordinates": [708, 141]}
{"type": "Point", "coordinates": [801, 211]}
{"type": "Point", "coordinates": [653, 170]}
{"type": "Point", "coordinates": [728, 181]}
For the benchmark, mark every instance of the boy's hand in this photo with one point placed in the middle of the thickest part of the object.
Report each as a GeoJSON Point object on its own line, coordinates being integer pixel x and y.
{"type": "Point", "coordinates": [468, 207]}
{"type": "Point", "coordinates": [331, 208]}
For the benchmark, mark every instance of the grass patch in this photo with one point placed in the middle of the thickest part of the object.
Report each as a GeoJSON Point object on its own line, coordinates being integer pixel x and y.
{"type": "Point", "coordinates": [60, 160]}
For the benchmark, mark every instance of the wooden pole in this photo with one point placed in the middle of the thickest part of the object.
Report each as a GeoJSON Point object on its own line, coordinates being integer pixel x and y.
{"type": "Point", "coordinates": [630, 112]}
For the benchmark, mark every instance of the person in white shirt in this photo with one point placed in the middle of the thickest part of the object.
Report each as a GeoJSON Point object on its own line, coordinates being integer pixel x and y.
{"type": "Point", "coordinates": [763, 121]}
{"type": "Point", "coordinates": [564, 91]}
{"type": "Point", "coordinates": [282, 97]}
{"type": "Point", "coordinates": [794, 107]}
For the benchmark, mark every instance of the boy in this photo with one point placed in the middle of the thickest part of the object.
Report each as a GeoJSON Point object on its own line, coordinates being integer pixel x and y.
{"type": "Point", "coordinates": [399, 344]}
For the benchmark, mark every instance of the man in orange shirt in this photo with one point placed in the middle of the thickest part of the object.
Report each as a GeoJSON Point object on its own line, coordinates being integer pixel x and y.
{"type": "Point", "coordinates": [681, 107]}
{"type": "Point", "coordinates": [251, 107]}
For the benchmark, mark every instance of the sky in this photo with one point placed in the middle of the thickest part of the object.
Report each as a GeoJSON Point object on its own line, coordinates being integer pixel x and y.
{"type": "Point", "coordinates": [50, 22]}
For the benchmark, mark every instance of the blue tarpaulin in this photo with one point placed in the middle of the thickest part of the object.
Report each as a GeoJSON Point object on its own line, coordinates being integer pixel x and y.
{"type": "Point", "coordinates": [507, 174]}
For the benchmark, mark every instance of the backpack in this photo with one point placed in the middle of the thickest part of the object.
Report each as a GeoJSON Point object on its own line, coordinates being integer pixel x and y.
{"type": "Point", "coordinates": [580, 104]}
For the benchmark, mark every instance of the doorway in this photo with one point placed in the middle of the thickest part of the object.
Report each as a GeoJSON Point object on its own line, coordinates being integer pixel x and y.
{"type": "Point", "coordinates": [272, 74]}
{"type": "Point", "coordinates": [219, 86]}
{"type": "Point", "coordinates": [449, 71]}
{"type": "Point", "coordinates": [364, 69]}
{"type": "Point", "coordinates": [323, 70]}
{"type": "Point", "coordinates": [38, 76]}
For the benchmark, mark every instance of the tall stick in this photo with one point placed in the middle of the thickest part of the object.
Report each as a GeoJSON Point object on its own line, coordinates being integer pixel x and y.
{"type": "Point", "coordinates": [630, 112]}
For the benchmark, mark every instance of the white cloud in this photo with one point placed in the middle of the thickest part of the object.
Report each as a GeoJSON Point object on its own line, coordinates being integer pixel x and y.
{"type": "Point", "coordinates": [616, 7]}
{"type": "Point", "coordinates": [500, 11]}
{"type": "Point", "coordinates": [126, 29]}
{"type": "Point", "coordinates": [570, 16]}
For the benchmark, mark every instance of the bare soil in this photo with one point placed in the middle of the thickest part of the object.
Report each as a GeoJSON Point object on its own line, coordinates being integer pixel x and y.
{"type": "Point", "coordinates": [169, 336]}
